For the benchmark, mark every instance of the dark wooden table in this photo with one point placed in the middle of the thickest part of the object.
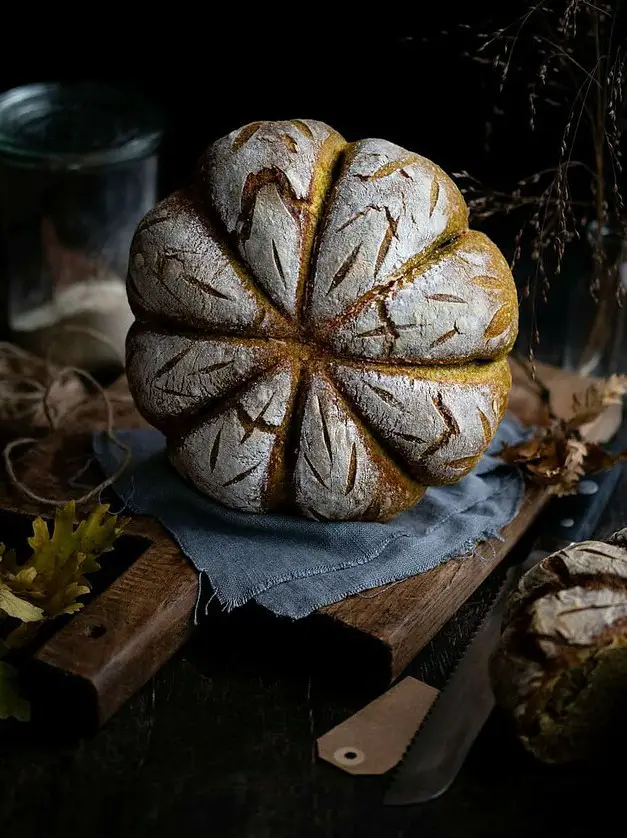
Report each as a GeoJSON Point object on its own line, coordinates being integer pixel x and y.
{"type": "Point", "coordinates": [221, 744]}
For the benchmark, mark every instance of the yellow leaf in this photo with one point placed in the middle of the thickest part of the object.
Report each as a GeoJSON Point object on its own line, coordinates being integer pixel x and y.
{"type": "Point", "coordinates": [73, 608]}
{"type": "Point", "coordinates": [51, 580]}
{"type": "Point", "coordinates": [24, 578]}
{"type": "Point", "coordinates": [12, 704]}
{"type": "Point", "coordinates": [21, 609]}
{"type": "Point", "coordinates": [49, 553]}
{"type": "Point", "coordinates": [98, 533]}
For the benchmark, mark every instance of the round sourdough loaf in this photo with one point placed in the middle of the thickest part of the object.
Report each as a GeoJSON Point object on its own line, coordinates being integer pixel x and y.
{"type": "Point", "coordinates": [317, 329]}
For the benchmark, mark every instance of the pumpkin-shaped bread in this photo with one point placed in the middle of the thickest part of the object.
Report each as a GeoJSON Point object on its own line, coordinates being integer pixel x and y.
{"type": "Point", "coordinates": [317, 329]}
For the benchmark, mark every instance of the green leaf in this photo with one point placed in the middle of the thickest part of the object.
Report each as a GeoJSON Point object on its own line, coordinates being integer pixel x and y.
{"type": "Point", "coordinates": [12, 704]}
{"type": "Point", "coordinates": [21, 609]}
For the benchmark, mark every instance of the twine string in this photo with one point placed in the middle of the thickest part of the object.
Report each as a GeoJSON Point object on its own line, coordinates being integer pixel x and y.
{"type": "Point", "coordinates": [26, 392]}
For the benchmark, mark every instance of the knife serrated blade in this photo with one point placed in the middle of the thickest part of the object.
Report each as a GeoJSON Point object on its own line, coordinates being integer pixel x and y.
{"type": "Point", "coordinates": [442, 742]}
{"type": "Point", "coordinates": [441, 745]}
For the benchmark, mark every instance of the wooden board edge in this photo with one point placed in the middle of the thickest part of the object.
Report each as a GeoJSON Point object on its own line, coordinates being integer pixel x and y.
{"type": "Point", "coordinates": [159, 591]}
{"type": "Point", "coordinates": [420, 624]}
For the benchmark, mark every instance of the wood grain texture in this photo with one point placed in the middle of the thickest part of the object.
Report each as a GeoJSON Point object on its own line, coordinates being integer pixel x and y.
{"type": "Point", "coordinates": [406, 615]}
{"type": "Point", "coordinates": [126, 634]}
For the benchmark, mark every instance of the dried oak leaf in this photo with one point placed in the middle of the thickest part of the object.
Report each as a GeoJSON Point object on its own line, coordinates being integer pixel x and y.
{"type": "Point", "coordinates": [20, 609]}
{"type": "Point", "coordinates": [557, 457]}
{"type": "Point", "coordinates": [598, 459]}
{"type": "Point", "coordinates": [593, 401]}
{"type": "Point", "coordinates": [48, 583]}
{"type": "Point", "coordinates": [53, 577]}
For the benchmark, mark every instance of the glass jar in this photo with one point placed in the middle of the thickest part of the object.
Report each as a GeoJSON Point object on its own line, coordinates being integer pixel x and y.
{"type": "Point", "coordinates": [596, 338]}
{"type": "Point", "coordinates": [580, 325]}
{"type": "Point", "coordinates": [78, 170]}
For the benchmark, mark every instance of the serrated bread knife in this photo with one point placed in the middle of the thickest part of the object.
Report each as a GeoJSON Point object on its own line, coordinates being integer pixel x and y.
{"type": "Point", "coordinates": [441, 744]}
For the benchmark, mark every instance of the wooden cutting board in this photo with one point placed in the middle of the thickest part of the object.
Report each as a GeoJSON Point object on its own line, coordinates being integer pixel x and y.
{"type": "Point", "coordinates": [126, 633]}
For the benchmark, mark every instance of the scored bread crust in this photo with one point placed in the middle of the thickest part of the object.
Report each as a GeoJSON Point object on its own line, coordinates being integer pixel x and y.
{"type": "Point", "coordinates": [563, 651]}
{"type": "Point", "coordinates": [317, 330]}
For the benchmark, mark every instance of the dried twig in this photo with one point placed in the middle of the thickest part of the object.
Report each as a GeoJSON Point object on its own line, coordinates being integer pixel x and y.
{"type": "Point", "coordinates": [573, 59]}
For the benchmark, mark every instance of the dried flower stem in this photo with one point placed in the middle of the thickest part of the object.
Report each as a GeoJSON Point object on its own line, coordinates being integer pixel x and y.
{"type": "Point", "coordinates": [580, 70]}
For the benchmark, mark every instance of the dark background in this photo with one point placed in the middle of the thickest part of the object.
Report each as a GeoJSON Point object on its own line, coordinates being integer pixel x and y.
{"type": "Point", "coordinates": [399, 78]}
{"type": "Point", "coordinates": [402, 75]}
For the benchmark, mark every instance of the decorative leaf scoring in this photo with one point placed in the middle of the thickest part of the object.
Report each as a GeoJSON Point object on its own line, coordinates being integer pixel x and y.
{"type": "Point", "coordinates": [215, 448]}
{"type": "Point", "coordinates": [390, 168]}
{"type": "Point", "coordinates": [389, 234]}
{"type": "Point", "coordinates": [378, 332]}
{"type": "Point", "coordinates": [445, 298]}
{"type": "Point", "coordinates": [446, 336]}
{"type": "Point", "coordinates": [325, 430]}
{"type": "Point", "coordinates": [409, 437]}
{"type": "Point", "coordinates": [205, 288]}
{"type": "Point", "coordinates": [259, 424]}
{"type": "Point", "coordinates": [245, 134]}
{"type": "Point", "coordinates": [391, 329]}
{"type": "Point", "coordinates": [314, 471]}
{"type": "Point", "coordinates": [485, 424]}
{"type": "Point", "coordinates": [501, 321]}
{"type": "Point", "coordinates": [490, 283]}
{"type": "Point", "coordinates": [290, 142]}
{"type": "Point", "coordinates": [386, 396]}
{"type": "Point", "coordinates": [352, 471]}
{"type": "Point", "coordinates": [358, 215]}
{"type": "Point", "coordinates": [176, 359]}
{"type": "Point", "coordinates": [344, 268]}
{"type": "Point", "coordinates": [451, 427]}
{"type": "Point", "coordinates": [277, 262]}
{"type": "Point", "coordinates": [434, 195]}
{"type": "Point", "coordinates": [242, 476]}
{"type": "Point", "coordinates": [220, 365]}
{"type": "Point", "coordinates": [304, 129]}
{"type": "Point", "coordinates": [255, 182]}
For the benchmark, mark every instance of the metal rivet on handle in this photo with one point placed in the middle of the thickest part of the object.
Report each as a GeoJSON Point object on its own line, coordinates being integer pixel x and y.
{"type": "Point", "coordinates": [349, 756]}
{"type": "Point", "coordinates": [567, 522]}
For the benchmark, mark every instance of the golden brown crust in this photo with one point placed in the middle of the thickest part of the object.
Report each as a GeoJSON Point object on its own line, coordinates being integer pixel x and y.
{"type": "Point", "coordinates": [309, 316]}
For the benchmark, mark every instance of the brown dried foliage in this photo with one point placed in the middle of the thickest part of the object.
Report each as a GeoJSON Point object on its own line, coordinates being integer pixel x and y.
{"type": "Point", "coordinates": [557, 456]}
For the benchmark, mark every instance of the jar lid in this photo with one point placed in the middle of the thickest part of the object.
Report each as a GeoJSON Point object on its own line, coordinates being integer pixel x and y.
{"type": "Point", "coordinates": [77, 125]}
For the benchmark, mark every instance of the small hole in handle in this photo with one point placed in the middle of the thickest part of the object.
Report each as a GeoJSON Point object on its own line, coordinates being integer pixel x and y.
{"type": "Point", "coordinates": [95, 631]}
{"type": "Point", "coordinates": [350, 755]}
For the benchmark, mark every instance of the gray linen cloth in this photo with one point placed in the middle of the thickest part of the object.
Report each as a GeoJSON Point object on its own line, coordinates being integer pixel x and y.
{"type": "Point", "coordinates": [293, 566]}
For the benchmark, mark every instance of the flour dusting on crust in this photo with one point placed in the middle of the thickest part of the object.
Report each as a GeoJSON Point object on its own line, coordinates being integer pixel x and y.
{"type": "Point", "coordinates": [308, 317]}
